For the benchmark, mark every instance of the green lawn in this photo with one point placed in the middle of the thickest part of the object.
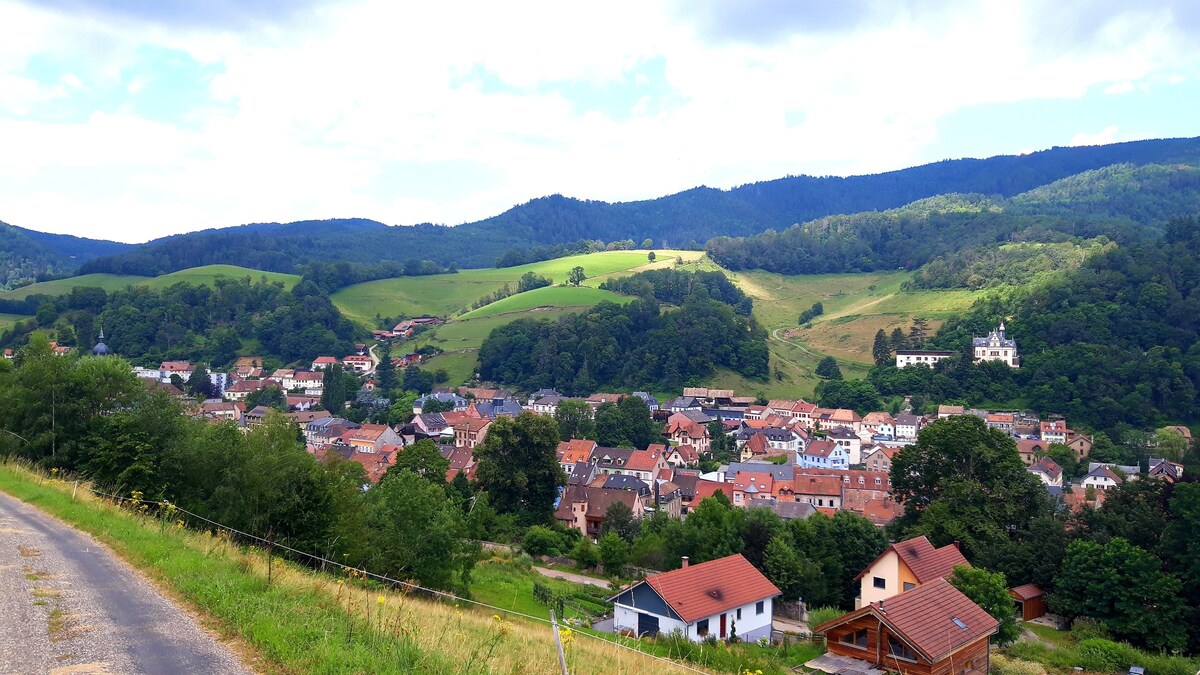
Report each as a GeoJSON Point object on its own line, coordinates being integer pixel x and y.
{"type": "Point", "coordinates": [109, 282]}
{"type": "Point", "coordinates": [445, 294]}
{"type": "Point", "coordinates": [210, 273]}
{"type": "Point", "coordinates": [7, 320]}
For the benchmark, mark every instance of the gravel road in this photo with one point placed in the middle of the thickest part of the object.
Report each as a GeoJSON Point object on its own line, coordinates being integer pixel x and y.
{"type": "Point", "coordinates": [68, 605]}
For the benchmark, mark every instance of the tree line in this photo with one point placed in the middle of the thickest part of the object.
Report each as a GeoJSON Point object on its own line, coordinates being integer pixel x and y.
{"type": "Point", "coordinates": [674, 287]}
{"type": "Point", "coordinates": [629, 346]}
{"type": "Point", "coordinates": [210, 323]}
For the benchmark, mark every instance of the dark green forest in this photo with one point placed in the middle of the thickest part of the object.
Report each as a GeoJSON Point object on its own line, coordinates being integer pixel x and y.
{"type": "Point", "coordinates": [200, 323]}
{"type": "Point", "coordinates": [625, 347]}
{"type": "Point", "coordinates": [1123, 203]}
{"type": "Point", "coordinates": [27, 256]}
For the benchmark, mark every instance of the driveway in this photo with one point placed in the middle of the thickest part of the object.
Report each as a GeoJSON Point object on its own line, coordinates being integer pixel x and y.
{"type": "Point", "coordinates": [571, 576]}
{"type": "Point", "coordinates": [70, 606]}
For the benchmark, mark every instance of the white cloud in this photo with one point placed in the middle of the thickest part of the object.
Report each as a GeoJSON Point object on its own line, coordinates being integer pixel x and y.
{"type": "Point", "coordinates": [1106, 135]}
{"type": "Point", "coordinates": [304, 120]}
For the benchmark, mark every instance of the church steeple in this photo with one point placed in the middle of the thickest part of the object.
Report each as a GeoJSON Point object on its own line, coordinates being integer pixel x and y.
{"type": "Point", "coordinates": [101, 349]}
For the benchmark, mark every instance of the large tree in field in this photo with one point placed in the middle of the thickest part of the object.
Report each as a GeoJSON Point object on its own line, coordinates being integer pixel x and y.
{"type": "Point", "coordinates": [881, 350]}
{"type": "Point", "coordinates": [415, 532]}
{"type": "Point", "coordinates": [964, 481]}
{"type": "Point", "coordinates": [518, 466]}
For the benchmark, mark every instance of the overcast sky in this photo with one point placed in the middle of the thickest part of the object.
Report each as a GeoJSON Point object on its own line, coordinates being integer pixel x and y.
{"type": "Point", "coordinates": [130, 123]}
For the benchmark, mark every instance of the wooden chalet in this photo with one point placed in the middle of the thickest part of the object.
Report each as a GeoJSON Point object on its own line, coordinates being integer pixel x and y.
{"type": "Point", "coordinates": [931, 630]}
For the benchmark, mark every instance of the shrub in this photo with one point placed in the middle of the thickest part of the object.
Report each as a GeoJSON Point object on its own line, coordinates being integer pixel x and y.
{"type": "Point", "coordinates": [539, 540]}
{"type": "Point", "coordinates": [1084, 628]}
{"type": "Point", "coordinates": [820, 615]}
{"type": "Point", "coordinates": [1002, 665]}
{"type": "Point", "coordinates": [1105, 655]}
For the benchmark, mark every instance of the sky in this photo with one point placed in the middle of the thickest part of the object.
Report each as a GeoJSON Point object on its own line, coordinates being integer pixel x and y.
{"type": "Point", "coordinates": [134, 120]}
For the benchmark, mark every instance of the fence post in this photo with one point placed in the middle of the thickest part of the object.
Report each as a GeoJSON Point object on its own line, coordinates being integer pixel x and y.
{"type": "Point", "coordinates": [562, 658]}
{"type": "Point", "coordinates": [74, 490]}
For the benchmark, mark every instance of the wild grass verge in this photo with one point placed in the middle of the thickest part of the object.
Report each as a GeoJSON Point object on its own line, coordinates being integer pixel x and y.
{"type": "Point", "coordinates": [306, 622]}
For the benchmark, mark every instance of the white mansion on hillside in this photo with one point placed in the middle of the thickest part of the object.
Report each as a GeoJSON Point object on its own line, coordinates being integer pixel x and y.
{"type": "Point", "coordinates": [996, 347]}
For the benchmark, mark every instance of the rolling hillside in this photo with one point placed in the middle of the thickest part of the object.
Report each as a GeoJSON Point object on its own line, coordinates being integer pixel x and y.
{"type": "Point", "coordinates": [108, 282]}
{"type": "Point", "coordinates": [116, 282]}
{"type": "Point", "coordinates": [445, 294]}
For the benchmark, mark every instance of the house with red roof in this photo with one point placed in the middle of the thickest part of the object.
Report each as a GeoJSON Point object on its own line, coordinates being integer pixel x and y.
{"type": "Point", "coordinates": [323, 362]}
{"type": "Point", "coordinates": [719, 598]}
{"type": "Point", "coordinates": [585, 508]}
{"type": "Point", "coordinates": [358, 363]}
{"type": "Point", "coordinates": [1048, 471]}
{"type": "Point", "coordinates": [931, 629]}
{"type": "Point", "coordinates": [687, 432]}
{"type": "Point", "coordinates": [747, 486]}
{"type": "Point", "coordinates": [647, 464]}
{"type": "Point", "coordinates": [574, 451]}
{"type": "Point", "coordinates": [470, 432]}
{"type": "Point", "coordinates": [680, 456]}
{"type": "Point", "coordinates": [904, 566]}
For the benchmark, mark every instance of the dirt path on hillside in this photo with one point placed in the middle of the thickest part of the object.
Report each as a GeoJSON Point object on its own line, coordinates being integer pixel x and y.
{"type": "Point", "coordinates": [71, 606]}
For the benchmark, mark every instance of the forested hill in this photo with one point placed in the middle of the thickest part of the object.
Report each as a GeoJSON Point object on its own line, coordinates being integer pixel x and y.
{"type": "Point", "coordinates": [1122, 202]}
{"type": "Point", "coordinates": [26, 255]}
{"type": "Point", "coordinates": [1114, 344]}
{"type": "Point", "coordinates": [684, 219]}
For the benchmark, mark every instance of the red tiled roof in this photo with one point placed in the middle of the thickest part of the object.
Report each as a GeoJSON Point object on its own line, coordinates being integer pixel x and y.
{"type": "Point", "coordinates": [758, 444]}
{"type": "Point", "coordinates": [1026, 592]}
{"type": "Point", "coordinates": [687, 453]}
{"type": "Point", "coordinates": [923, 560]}
{"type": "Point", "coordinates": [575, 451]}
{"type": "Point", "coordinates": [707, 488]}
{"type": "Point", "coordinates": [925, 618]}
{"type": "Point", "coordinates": [704, 589]}
{"type": "Point", "coordinates": [820, 448]}
{"type": "Point", "coordinates": [818, 485]}
{"type": "Point", "coordinates": [762, 482]}
{"type": "Point", "coordinates": [643, 460]}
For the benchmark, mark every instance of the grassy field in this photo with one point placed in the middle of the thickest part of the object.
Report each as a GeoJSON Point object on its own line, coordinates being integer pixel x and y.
{"type": "Point", "coordinates": [210, 273]}
{"type": "Point", "coordinates": [304, 622]}
{"type": "Point", "coordinates": [109, 282]}
{"type": "Point", "coordinates": [548, 297]}
{"type": "Point", "coordinates": [7, 321]}
{"type": "Point", "coordinates": [445, 294]}
{"type": "Point", "coordinates": [116, 282]}
{"type": "Point", "coordinates": [856, 306]}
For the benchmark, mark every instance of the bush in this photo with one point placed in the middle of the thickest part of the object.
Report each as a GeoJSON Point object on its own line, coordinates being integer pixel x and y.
{"type": "Point", "coordinates": [1002, 665]}
{"type": "Point", "coordinates": [1105, 655]}
{"type": "Point", "coordinates": [1085, 628]}
{"type": "Point", "coordinates": [539, 540]}
{"type": "Point", "coordinates": [820, 615]}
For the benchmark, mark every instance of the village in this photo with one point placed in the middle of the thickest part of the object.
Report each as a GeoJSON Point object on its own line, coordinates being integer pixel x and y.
{"type": "Point", "coordinates": [789, 456]}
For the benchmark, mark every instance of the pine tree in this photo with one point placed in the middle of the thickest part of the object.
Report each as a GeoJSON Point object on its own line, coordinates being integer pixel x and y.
{"type": "Point", "coordinates": [898, 341]}
{"type": "Point", "coordinates": [881, 350]}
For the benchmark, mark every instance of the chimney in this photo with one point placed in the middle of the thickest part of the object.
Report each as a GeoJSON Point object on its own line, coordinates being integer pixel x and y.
{"type": "Point", "coordinates": [956, 545]}
{"type": "Point", "coordinates": [685, 561]}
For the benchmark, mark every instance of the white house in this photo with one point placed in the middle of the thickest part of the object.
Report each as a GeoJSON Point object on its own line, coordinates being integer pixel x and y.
{"type": "Point", "coordinates": [1048, 471]}
{"type": "Point", "coordinates": [996, 347]}
{"type": "Point", "coordinates": [721, 598]}
{"type": "Point", "coordinates": [907, 426]}
{"type": "Point", "coordinates": [849, 441]}
{"type": "Point", "coordinates": [880, 424]}
{"type": "Point", "coordinates": [913, 357]}
{"type": "Point", "coordinates": [824, 454]}
{"type": "Point", "coordinates": [1102, 478]}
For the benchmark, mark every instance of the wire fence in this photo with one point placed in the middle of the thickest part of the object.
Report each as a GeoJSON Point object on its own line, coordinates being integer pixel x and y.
{"type": "Point", "coordinates": [166, 506]}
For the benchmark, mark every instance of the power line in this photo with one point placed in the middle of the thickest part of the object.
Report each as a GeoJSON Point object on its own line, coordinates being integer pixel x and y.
{"type": "Point", "coordinates": [380, 577]}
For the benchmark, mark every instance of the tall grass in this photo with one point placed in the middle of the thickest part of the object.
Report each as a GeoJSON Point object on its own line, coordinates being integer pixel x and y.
{"type": "Point", "coordinates": [303, 621]}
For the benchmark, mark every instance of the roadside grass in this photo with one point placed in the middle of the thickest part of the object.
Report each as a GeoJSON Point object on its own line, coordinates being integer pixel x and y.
{"type": "Point", "coordinates": [208, 274]}
{"type": "Point", "coordinates": [304, 621]}
{"type": "Point", "coordinates": [109, 282]}
{"type": "Point", "coordinates": [445, 294]}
